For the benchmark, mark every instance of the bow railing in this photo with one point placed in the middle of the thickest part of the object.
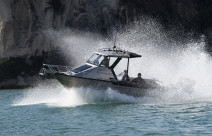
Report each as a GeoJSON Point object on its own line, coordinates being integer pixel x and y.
{"type": "Point", "coordinates": [52, 69]}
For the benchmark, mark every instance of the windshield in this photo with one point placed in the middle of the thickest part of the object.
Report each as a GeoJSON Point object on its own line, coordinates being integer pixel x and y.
{"type": "Point", "coordinates": [95, 59]}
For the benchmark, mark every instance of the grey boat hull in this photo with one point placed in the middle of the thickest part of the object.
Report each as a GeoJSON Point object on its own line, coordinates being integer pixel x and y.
{"type": "Point", "coordinates": [99, 85]}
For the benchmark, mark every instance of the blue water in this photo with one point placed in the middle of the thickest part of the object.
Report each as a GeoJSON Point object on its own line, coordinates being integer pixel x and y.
{"type": "Point", "coordinates": [64, 112]}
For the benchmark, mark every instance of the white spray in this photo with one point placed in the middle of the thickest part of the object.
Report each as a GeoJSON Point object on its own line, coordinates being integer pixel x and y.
{"type": "Point", "coordinates": [181, 64]}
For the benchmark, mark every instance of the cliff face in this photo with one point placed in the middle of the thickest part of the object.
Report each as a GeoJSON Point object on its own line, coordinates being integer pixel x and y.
{"type": "Point", "coordinates": [168, 11]}
{"type": "Point", "coordinates": [191, 15]}
{"type": "Point", "coordinates": [23, 22]}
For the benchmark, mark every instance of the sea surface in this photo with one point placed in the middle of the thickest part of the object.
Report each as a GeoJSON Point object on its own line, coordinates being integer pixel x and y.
{"type": "Point", "coordinates": [81, 112]}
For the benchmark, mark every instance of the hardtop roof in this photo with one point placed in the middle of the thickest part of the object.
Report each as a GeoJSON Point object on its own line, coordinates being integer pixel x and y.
{"type": "Point", "coordinates": [115, 52]}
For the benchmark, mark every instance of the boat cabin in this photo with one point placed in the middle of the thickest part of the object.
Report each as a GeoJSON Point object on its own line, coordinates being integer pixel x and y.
{"type": "Point", "coordinates": [102, 63]}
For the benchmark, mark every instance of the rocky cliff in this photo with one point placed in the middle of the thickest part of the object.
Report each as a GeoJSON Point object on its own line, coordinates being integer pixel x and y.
{"type": "Point", "coordinates": [192, 15]}
{"type": "Point", "coordinates": [23, 22]}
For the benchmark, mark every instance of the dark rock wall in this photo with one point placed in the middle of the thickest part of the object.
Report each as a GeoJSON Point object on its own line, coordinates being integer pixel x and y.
{"type": "Point", "coordinates": [22, 22]}
{"type": "Point", "coordinates": [168, 11]}
{"type": "Point", "coordinates": [192, 15]}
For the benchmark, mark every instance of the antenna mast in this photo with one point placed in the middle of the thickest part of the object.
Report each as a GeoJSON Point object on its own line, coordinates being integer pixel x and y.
{"type": "Point", "coordinates": [114, 46]}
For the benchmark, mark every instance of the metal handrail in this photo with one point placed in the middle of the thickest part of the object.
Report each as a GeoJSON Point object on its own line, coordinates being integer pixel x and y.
{"type": "Point", "coordinates": [57, 68]}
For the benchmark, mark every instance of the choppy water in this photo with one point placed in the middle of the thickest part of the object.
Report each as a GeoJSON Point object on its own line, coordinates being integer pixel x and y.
{"type": "Point", "coordinates": [84, 112]}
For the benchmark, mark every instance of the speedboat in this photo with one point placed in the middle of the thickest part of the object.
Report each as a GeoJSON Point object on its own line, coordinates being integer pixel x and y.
{"type": "Point", "coordinates": [98, 73]}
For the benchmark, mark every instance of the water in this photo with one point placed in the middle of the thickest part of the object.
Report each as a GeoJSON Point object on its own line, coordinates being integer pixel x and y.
{"type": "Point", "coordinates": [63, 112]}
{"type": "Point", "coordinates": [174, 58]}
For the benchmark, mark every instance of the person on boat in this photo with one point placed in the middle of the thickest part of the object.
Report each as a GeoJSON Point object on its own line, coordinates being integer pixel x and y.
{"type": "Point", "coordinates": [138, 80]}
{"type": "Point", "coordinates": [125, 76]}
{"type": "Point", "coordinates": [105, 61]}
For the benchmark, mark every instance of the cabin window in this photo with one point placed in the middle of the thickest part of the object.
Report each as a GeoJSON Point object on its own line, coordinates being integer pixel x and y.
{"type": "Point", "coordinates": [112, 60]}
{"type": "Point", "coordinates": [95, 59]}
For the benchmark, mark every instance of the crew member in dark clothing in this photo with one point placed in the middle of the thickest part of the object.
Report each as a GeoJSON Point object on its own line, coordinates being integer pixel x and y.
{"type": "Point", "coordinates": [139, 81]}
{"type": "Point", "coordinates": [105, 61]}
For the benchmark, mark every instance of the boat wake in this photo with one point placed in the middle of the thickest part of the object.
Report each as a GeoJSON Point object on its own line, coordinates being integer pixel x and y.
{"type": "Point", "coordinates": [62, 97]}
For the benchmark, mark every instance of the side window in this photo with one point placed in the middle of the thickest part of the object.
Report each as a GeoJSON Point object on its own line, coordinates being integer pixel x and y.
{"type": "Point", "coordinates": [121, 66]}
{"type": "Point", "coordinates": [112, 60]}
